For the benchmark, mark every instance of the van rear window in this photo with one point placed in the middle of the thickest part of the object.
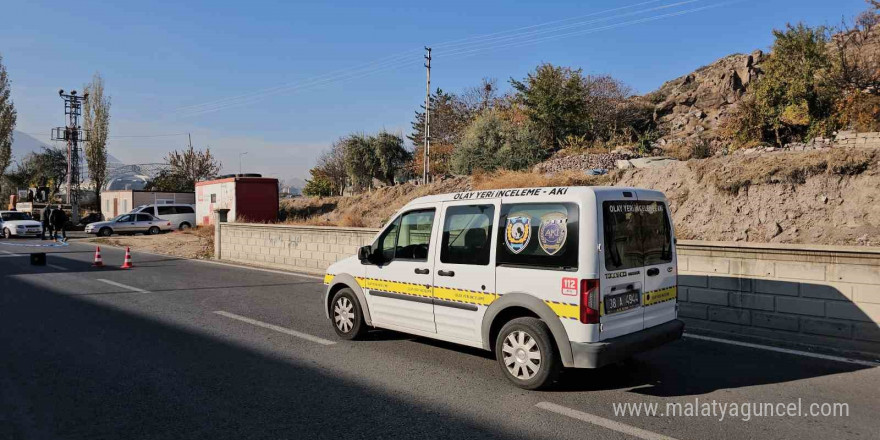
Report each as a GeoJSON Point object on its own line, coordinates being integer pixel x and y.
{"type": "Point", "coordinates": [637, 234]}
{"type": "Point", "coordinates": [540, 235]}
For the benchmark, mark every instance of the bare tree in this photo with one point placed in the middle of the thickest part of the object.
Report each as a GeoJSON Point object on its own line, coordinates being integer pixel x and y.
{"type": "Point", "coordinates": [191, 165]}
{"type": "Point", "coordinates": [97, 121]}
{"type": "Point", "coordinates": [483, 96]}
{"type": "Point", "coordinates": [331, 164]}
{"type": "Point", "coordinates": [856, 54]}
{"type": "Point", "coordinates": [7, 121]}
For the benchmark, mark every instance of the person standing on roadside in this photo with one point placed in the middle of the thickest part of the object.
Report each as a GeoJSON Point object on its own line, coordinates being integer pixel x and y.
{"type": "Point", "coordinates": [45, 215]}
{"type": "Point", "coordinates": [59, 223]}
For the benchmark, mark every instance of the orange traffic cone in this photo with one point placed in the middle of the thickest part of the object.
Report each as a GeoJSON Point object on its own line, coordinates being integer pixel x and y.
{"type": "Point", "coordinates": [127, 263]}
{"type": "Point", "coordinates": [99, 262]}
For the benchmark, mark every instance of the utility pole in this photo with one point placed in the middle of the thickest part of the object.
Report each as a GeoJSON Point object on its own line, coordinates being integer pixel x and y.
{"type": "Point", "coordinates": [427, 153]}
{"type": "Point", "coordinates": [73, 134]}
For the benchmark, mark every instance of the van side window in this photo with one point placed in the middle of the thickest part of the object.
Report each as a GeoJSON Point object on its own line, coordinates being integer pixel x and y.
{"type": "Point", "coordinates": [385, 243]}
{"type": "Point", "coordinates": [637, 234]}
{"type": "Point", "coordinates": [540, 235]}
{"type": "Point", "coordinates": [166, 210]}
{"type": "Point", "coordinates": [184, 210]}
{"type": "Point", "coordinates": [414, 236]}
{"type": "Point", "coordinates": [467, 234]}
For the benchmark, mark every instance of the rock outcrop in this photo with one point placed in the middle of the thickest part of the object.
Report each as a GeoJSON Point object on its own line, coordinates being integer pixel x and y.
{"type": "Point", "coordinates": [699, 103]}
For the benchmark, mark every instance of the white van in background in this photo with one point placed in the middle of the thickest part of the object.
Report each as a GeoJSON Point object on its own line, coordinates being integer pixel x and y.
{"type": "Point", "coordinates": [181, 216]}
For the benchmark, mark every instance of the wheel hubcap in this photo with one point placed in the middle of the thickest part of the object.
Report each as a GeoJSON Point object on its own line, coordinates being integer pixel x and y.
{"type": "Point", "coordinates": [343, 314]}
{"type": "Point", "coordinates": [522, 357]}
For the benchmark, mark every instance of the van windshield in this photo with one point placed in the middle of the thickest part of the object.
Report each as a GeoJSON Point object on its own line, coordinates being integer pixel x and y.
{"type": "Point", "coordinates": [637, 234]}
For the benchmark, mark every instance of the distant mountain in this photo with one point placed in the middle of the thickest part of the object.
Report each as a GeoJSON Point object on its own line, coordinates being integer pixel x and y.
{"type": "Point", "coordinates": [24, 144]}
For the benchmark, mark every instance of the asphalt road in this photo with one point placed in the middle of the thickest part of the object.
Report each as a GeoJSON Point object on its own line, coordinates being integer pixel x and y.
{"type": "Point", "coordinates": [105, 353]}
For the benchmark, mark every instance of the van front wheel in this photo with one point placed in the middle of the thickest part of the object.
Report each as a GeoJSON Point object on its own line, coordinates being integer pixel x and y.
{"type": "Point", "coordinates": [346, 315]}
{"type": "Point", "coordinates": [526, 353]}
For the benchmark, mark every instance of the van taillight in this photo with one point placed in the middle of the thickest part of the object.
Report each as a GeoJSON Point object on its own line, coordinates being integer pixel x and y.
{"type": "Point", "coordinates": [590, 301]}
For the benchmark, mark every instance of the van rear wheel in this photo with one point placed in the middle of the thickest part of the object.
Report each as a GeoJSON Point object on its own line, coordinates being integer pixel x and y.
{"type": "Point", "coordinates": [346, 315]}
{"type": "Point", "coordinates": [526, 353]}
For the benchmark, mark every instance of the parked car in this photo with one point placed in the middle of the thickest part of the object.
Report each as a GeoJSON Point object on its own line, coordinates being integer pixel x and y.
{"type": "Point", "coordinates": [19, 224]}
{"type": "Point", "coordinates": [546, 278]}
{"type": "Point", "coordinates": [130, 224]}
{"type": "Point", "coordinates": [180, 215]}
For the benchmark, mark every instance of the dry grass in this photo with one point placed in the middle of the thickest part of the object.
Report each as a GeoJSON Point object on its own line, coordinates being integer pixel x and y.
{"type": "Point", "coordinates": [732, 174]}
{"type": "Point", "coordinates": [193, 243]}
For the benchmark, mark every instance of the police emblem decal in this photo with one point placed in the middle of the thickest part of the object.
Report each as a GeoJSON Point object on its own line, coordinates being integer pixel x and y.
{"type": "Point", "coordinates": [552, 233]}
{"type": "Point", "coordinates": [519, 231]}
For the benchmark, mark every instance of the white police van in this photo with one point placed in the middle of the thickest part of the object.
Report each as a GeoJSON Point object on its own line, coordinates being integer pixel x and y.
{"type": "Point", "coordinates": [544, 277]}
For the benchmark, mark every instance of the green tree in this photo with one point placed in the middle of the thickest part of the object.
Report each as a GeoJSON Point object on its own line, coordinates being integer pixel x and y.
{"type": "Point", "coordinates": [450, 116]}
{"type": "Point", "coordinates": [7, 122]}
{"type": "Point", "coordinates": [168, 181]}
{"type": "Point", "coordinates": [794, 99]}
{"type": "Point", "coordinates": [491, 142]}
{"type": "Point", "coordinates": [96, 117]}
{"type": "Point", "coordinates": [556, 102]}
{"type": "Point", "coordinates": [392, 156]}
{"type": "Point", "coordinates": [48, 166]}
{"type": "Point", "coordinates": [319, 185]}
{"type": "Point", "coordinates": [361, 162]}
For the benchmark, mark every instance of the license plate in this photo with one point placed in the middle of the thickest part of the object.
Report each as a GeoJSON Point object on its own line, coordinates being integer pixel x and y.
{"type": "Point", "coordinates": [622, 302]}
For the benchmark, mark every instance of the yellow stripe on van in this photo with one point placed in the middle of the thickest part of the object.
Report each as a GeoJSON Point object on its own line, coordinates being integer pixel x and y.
{"type": "Point", "coordinates": [659, 296]}
{"type": "Point", "coordinates": [395, 287]}
{"type": "Point", "coordinates": [465, 296]}
{"type": "Point", "coordinates": [565, 310]}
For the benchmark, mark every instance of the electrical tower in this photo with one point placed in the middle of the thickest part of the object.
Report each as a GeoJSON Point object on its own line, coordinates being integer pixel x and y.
{"type": "Point", "coordinates": [73, 134]}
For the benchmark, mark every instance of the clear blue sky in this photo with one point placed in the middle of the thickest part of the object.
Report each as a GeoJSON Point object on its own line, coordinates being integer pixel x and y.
{"type": "Point", "coordinates": [158, 57]}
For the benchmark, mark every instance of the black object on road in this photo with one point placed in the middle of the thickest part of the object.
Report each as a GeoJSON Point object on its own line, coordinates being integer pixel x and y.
{"type": "Point", "coordinates": [38, 259]}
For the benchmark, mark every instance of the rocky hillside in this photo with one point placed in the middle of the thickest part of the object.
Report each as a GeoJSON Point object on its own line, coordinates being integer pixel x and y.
{"type": "Point", "coordinates": [702, 100]}
{"type": "Point", "coordinates": [820, 196]}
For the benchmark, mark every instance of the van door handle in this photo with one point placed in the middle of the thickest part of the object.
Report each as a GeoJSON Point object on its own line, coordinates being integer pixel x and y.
{"type": "Point", "coordinates": [422, 271]}
{"type": "Point", "coordinates": [446, 273]}
{"type": "Point", "coordinates": [653, 272]}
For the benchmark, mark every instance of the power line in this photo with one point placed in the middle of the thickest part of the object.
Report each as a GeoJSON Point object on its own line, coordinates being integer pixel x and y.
{"type": "Point", "coordinates": [122, 136]}
{"type": "Point", "coordinates": [489, 41]}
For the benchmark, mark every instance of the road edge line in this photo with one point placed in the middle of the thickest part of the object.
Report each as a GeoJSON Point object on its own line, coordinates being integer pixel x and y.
{"type": "Point", "coordinates": [827, 357]}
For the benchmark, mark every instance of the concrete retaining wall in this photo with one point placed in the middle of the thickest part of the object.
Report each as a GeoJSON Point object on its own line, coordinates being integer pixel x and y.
{"type": "Point", "coordinates": [299, 248]}
{"type": "Point", "coordinates": [814, 295]}
{"type": "Point", "coordinates": [853, 139]}
{"type": "Point", "coordinates": [824, 296]}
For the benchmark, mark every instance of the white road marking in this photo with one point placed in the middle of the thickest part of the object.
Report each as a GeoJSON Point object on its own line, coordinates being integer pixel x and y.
{"type": "Point", "coordinates": [784, 350]}
{"type": "Point", "coordinates": [124, 286]}
{"type": "Point", "coordinates": [261, 269]}
{"type": "Point", "coordinates": [8, 253]}
{"type": "Point", "coordinates": [286, 331]}
{"type": "Point", "coordinates": [603, 422]}
{"type": "Point", "coordinates": [56, 267]}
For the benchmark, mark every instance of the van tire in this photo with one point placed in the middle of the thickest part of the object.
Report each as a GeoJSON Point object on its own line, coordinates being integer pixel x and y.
{"type": "Point", "coordinates": [520, 353]}
{"type": "Point", "coordinates": [184, 226]}
{"type": "Point", "coordinates": [346, 315]}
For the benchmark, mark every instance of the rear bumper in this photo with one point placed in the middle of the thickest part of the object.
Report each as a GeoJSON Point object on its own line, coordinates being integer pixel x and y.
{"type": "Point", "coordinates": [597, 354]}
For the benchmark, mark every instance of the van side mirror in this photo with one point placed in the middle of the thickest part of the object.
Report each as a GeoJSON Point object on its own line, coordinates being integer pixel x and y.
{"type": "Point", "coordinates": [364, 253]}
